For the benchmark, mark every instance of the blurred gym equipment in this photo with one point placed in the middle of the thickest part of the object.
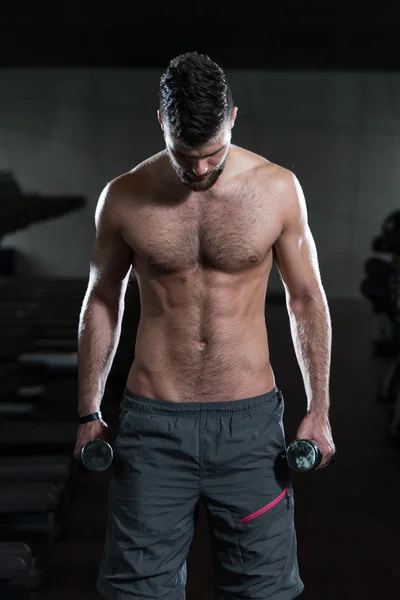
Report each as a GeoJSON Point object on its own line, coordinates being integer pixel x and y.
{"type": "Point", "coordinates": [382, 287]}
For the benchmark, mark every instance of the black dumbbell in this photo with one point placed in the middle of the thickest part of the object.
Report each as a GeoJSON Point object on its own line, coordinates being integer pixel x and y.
{"type": "Point", "coordinates": [97, 455]}
{"type": "Point", "coordinates": [304, 455]}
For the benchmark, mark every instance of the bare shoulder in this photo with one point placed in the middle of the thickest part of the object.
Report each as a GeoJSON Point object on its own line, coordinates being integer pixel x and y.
{"type": "Point", "coordinates": [264, 169]}
{"type": "Point", "coordinates": [275, 184]}
{"type": "Point", "coordinates": [128, 189]}
{"type": "Point", "coordinates": [288, 192]}
{"type": "Point", "coordinates": [287, 195]}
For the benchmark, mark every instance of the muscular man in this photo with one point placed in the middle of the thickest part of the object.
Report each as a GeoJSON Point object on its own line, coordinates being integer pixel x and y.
{"type": "Point", "coordinates": [200, 224]}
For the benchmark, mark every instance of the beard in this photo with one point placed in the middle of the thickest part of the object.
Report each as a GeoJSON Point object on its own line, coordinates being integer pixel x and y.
{"type": "Point", "coordinates": [197, 184]}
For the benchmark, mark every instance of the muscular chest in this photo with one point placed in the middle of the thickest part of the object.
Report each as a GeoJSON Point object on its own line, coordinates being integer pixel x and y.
{"type": "Point", "coordinates": [229, 235]}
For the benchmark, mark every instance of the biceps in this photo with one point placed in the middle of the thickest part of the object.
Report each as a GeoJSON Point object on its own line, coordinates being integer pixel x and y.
{"type": "Point", "coordinates": [110, 266]}
{"type": "Point", "coordinates": [297, 262]}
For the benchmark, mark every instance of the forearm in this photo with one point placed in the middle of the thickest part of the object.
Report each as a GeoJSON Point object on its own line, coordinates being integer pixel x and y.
{"type": "Point", "coordinates": [99, 332]}
{"type": "Point", "coordinates": [311, 329]}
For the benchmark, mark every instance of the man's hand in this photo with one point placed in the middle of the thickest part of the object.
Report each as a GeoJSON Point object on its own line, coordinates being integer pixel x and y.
{"type": "Point", "coordinates": [316, 428]}
{"type": "Point", "coordinates": [89, 431]}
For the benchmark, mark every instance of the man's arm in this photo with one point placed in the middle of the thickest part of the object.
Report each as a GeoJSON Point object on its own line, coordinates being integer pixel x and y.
{"type": "Point", "coordinates": [310, 323]}
{"type": "Point", "coordinates": [103, 304]}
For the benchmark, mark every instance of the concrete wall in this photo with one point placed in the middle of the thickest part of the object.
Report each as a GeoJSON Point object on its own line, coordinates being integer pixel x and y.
{"type": "Point", "coordinates": [71, 131]}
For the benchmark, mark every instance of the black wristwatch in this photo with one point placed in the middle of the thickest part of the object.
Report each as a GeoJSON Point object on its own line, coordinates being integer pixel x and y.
{"type": "Point", "coordinates": [91, 417]}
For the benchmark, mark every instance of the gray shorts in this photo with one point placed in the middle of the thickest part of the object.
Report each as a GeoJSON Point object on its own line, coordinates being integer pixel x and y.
{"type": "Point", "coordinates": [171, 456]}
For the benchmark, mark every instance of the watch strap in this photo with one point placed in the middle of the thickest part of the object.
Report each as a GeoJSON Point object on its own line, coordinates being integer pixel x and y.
{"type": "Point", "coordinates": [91, 417]}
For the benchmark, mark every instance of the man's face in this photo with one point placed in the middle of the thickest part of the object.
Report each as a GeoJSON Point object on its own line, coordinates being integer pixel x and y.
{"type": "Point", "coordinates": [199, 168]}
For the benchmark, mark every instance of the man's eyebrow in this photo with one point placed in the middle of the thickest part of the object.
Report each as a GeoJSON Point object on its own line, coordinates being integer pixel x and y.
{"type": "Point", "coordinates": [205, 155]}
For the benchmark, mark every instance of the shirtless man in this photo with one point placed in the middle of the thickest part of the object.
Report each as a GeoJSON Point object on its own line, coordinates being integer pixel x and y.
{"type": "Point", "coordinates": [200, 224]}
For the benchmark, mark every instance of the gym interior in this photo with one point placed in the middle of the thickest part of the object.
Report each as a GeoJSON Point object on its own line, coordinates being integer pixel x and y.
{"type": "Point", "coordinates": [67, 131]}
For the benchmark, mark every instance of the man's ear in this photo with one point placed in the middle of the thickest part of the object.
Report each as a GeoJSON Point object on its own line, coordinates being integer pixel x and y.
{"type": "Point", "coordinates": [234, 115]}
{"type": "Point", "coordinates": [160, 119]}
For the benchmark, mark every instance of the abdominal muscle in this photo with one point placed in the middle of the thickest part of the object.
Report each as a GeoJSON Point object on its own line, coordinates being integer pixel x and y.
{"type": "Point", "coordinates": [228, 360]}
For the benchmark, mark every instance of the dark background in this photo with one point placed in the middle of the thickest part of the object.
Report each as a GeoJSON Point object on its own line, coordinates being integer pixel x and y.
{"type": "Point", "coordinates": [291, 34]}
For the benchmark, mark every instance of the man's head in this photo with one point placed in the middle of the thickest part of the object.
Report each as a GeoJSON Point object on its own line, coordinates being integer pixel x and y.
{"type": "Point", "coordinates": [196, 114]}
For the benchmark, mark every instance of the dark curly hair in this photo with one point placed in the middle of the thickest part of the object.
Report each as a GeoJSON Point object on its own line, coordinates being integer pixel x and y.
{"type": "Point", "coordinates": [195, 99]}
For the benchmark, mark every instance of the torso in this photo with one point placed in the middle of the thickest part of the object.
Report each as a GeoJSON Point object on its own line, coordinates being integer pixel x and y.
{"type": "Point", "coordinates": [202, 262]}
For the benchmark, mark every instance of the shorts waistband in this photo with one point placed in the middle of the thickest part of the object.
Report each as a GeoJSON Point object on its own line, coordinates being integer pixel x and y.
{"type": "Point", "coordinates": [142, 404]}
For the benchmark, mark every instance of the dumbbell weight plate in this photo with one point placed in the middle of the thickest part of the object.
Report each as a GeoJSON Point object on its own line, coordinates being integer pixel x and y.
{"type": "Point", "coordinates": [97, 455]}
{"type": "Point", "coordinates": [302, 455]}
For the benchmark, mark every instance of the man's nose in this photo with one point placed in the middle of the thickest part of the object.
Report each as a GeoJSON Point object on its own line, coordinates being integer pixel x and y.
{"type": "Point", "coordinates": [200, 168]}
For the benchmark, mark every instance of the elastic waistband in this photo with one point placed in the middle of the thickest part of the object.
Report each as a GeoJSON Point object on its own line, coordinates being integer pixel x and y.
{"type": "Point", "coordinates": [164, 407]}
